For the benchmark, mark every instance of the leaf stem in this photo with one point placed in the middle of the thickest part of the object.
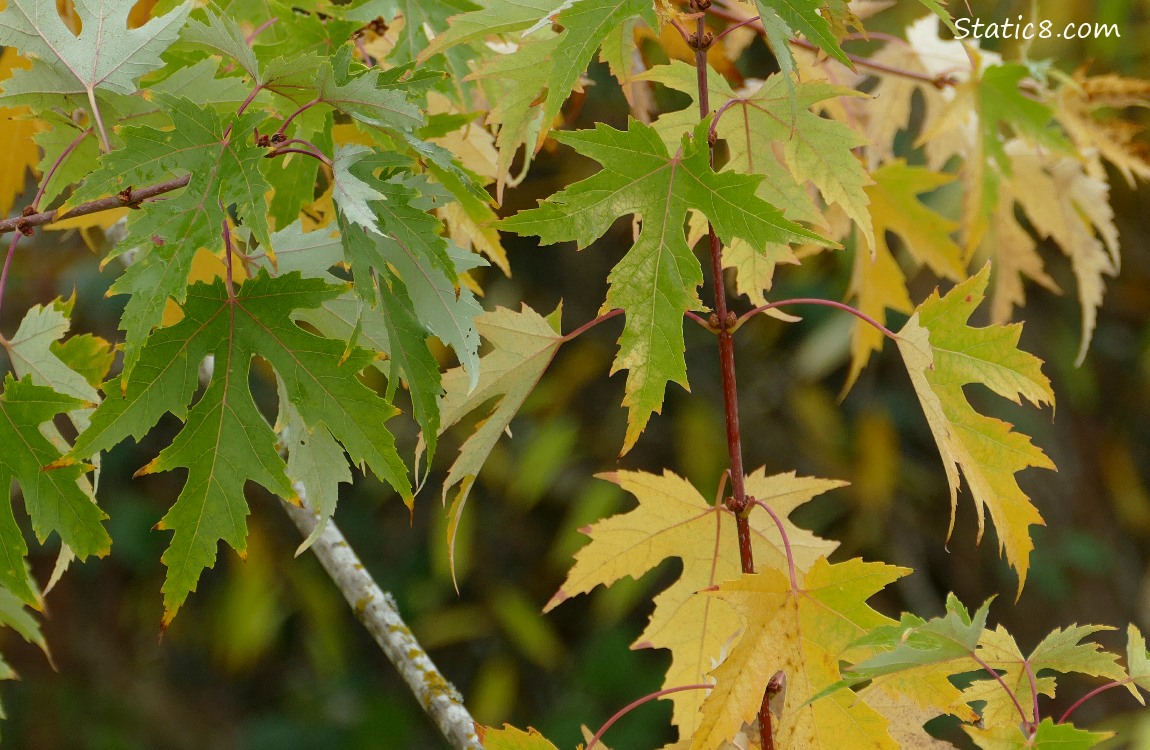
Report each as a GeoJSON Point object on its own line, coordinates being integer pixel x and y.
{"type": "Point", "coordinates": [1091, 694]}
{"type": "Point", "coordinates": [738, 25]}
{"type": "Point", "coordinates": [7, 265]}
{"type": "Point", "coordinates": [300, 110]}
{"type": "Point", "coordinates": [786, 542]}
{"type": "Point", "coordinates": [638, 702]}
{"type": "Point", "coordinates": [591, 324]}
{"type": "Point", "coordinates": [816, 301]}
{"type": "Point", "coordinates": [1033, 689]}
{"type": "Point", "coordinates": [104, 143]}
{"type": "Point", "coordinates": [260, 29]}
{"type": "Point", "coordinates": [304, 151]}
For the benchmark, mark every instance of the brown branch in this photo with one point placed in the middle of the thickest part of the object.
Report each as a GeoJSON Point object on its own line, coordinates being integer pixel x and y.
{"type": "Point", "coordinates": [124, 198]}
{"type": "Point", "coordinates": [940, 82]}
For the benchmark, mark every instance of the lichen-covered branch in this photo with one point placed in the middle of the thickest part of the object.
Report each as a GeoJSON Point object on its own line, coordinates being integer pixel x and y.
{"type": "Point", "coordinates": [377, 611]}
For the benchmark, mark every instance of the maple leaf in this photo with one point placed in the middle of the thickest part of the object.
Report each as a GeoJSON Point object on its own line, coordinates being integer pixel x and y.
{"type": "Point", "coordinates": [1110, 139]}
{"type": "Point", "coordinates": [756, 122]}
{"type": "Point", "coordinates": [914, 660]}
{"type": "Point", "coordinates": [657, 281]}
{"type": "Point", "coordinates": [511, 738]}
{"type": "Point", "coordinates": [1046, 736]}
{"type": "Point", "coordinates": [225, 441]}
{"type": "Point", "coordinates": [877, 280]}
{"type": "Point", "coordinates": [1067, 205]}
{"type": "Point", "coordinates": [523, 345]}
{"type": "Point", "coordinates": [1137, 663]}
{"type": "Point", "coordinates": [224, 168]}
{"type": "Point", "coordinates": [782, 18]}
{"type": "Point", "coordinates": [54, 500]}
{"type": "Point", "coordinates": [105, 54]}
{"type": "Point", "coordinates": [943, 354]}
{"type": "Point", "coordinates": [801, 631]}
{"type": "Point", "coordinates": [674, 520]}
{"type": "Point", "coordinates": [547, 66]}
{"type": "Point", "coordinates": [1060, 651]}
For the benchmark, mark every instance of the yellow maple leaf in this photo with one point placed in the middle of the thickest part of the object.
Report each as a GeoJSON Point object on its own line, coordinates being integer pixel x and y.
{"type": "Point", "coordinates": [1109, 139]}
{"type": "Point", "coordinates": [674, 520]}
{"type": "Point", "coordinates": [877, 279]}
{"type": "Point", "coordinates": [943, 354]}
{"type": "Point", "coordinates": [17, 127]}
{"type": "Point", "coordinates": [800, 630]}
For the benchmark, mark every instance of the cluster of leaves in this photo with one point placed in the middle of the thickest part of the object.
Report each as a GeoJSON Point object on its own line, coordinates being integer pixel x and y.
{"type": "Point", "coordinates": [327, 179]}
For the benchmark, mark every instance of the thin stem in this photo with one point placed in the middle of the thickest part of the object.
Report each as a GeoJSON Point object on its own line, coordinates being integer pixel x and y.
{"type": "Point", "coordinates": [682, 32]}
{"type": "Point", "coordinates": [1014, 698]}
{"type": "Point", "coordinates": [699, 319]}
{"type": "Point", "coordinates": [1033, 689]}
{"type": "Point", "coordinates": [259, 30]}
{"type": "Point", "coordinates": [1091, 694]}
{"type": "Point", "coordinates": [251, 98]}
{"type": "Point", "coordinates": [304, 151]}
{"type": "Point", "coordinates": [786, 542]}
{"type": "Point", "coordinates": [738, 25]}
{"type": "Point", "coordinates": [864, 62]}
{"type": "Point", "coordinates": [816, 301]}
{"type": "Point", "coordinates": [636, 703]}
{"type": "Point", "coordinates": [300, 110]}
{"type": "Point", "coordinates": [592, 323]}
{"type": "Point", "coordinates": [56, 165]}
{"type": "Point", "coordinates": [714, 129]}
{"type": "Point", "coordinates": [93, 207]}
{"type": "Point", "coordinates": [7, 265]}
{"type": "Point", "coordinates": [105, 144]}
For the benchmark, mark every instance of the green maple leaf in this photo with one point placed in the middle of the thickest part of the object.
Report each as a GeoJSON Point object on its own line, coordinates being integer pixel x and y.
{"type": "Point", "coordinates": [418, 17]}
{"type": "Point", "coordinates": [1137, 663]}
{"type": "Point", "coordinates": [496, 17]}
{"type": "Point", "coordinates": [538, 78]}
{"type": "Point", "coordinates": [1047, 736]}
{"type": "Point", "coordinates": [782, 18]}
{"type": "Point", "coordinates": [106, 54]}
{"type": "Point", "coordinates": [54, 499]}
{"type": "Point", "coordinates": [225, 441]}
{"type": "Point", "coordinates": [943, 354]}
{"type": "Point", "coordinates": [657, 281]}
{"type": "Point", "coordinates": [224, 166]}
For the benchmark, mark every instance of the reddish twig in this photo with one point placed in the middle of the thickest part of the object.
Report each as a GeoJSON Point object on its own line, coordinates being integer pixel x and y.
{"type": "Point", "coordinates": [56, 165]}
{"type": "Point", "coordinates": [7, 265]}
{"type": "Point", "coordinates": [636, 703]}
{"type": "Point", "coordinates": [738, 25]}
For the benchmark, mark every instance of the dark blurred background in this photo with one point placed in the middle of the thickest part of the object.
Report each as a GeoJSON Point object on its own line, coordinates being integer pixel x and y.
{"type": "Point", "coordinates": [267, 655]}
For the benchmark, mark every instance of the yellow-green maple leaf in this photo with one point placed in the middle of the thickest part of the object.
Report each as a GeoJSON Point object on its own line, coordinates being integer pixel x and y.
{"type": "Point", "coordinates": [1061, 651]}
{"type": "Point", "coordinates": [943, 354]}
{"type": "Point", "coordinates": [802, 631]}
{"type": "Point", "coordinates": [674, 520]}
{"type": "Point", "coordinates": [511, 738]}
{"type": "Point", "coordinates": [878, 281]}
